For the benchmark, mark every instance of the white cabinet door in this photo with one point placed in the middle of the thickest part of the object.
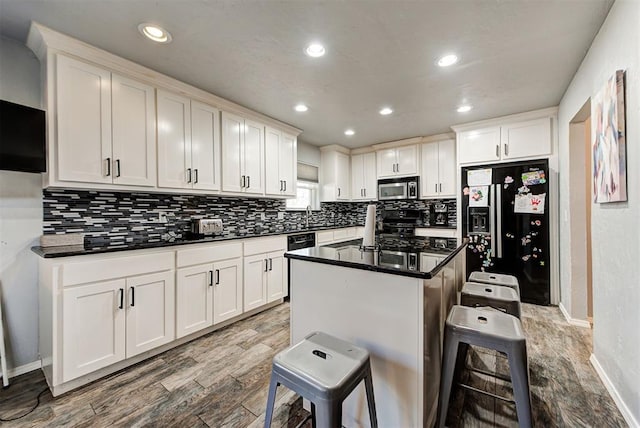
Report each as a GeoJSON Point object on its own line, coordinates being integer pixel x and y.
{"type": "Point", "coordinates": [150, 311]}
{"type": "Point", "coordinates": [407, 163]}
{"type": "Point", "coordinates": [174, 140]}
{"type": "Point", "coordinates": [526, 139]}
{"type": "Point", "coordinates": [429, 174]}
{"type": "Point", "coordinates": [255, 293]}
{"type": "Point", "coordinates": [480, 145]}
{"type": "Point", "coordinates": [227, 289]}
{"type": "Point", "coordinates": [83, 114]}
{"type": "Point", "coordinates": [428, 262]}
{"type": "Point", "coordinates": [276, 280]}
{"type": "Point", "coordinates": [274, 184]}
{"type": "Point", "coordinates": [343, 179]}
{"type": "Point", "coordinates": [93, 327]}
{"type": "Point", "coordinates": [194, 299]}
{"type": "Point", "coordinates": [205, 146]}
{"type": "Point", "coordinates": [133, 132]}
{"type": "Point", "coordinates": [447, 168]}
{"type": "Point", "coordinates": [232, 142]}
{"type": "Point", "coordinates": [386, 163]}
{"type": "Point", "coordinates": [370, 178]}
{"type": "Point", "coordinates": [253, 157]}
{"type": "Point", "coordinates": [357, 177]}
{"type": "Point", "coordinates": [288, 163]}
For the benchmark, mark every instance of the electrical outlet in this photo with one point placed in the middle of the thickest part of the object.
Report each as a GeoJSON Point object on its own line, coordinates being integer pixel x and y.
{"type": "Point", "coordinates": [280, 215]}
{"type": "Point", "coordinates": [162, 217]}
{"type": "Point", "coordinates": [263, 216]}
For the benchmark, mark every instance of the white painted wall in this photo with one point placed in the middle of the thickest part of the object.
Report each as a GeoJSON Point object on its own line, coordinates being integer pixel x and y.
{"type": "Point", "coordinates": [20, 216]}
{"type": "Point", "coordinates": [615, 227]}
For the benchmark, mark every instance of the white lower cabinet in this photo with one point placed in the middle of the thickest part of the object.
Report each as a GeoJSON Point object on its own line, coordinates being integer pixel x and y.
{"type": "Point", "coordinates": [106, 322]}
{"type": "Point", "coordinates": [210, 291]}
{"type": "Point", "coordinates": [429, 261]}
{"type": "Point", "coordinates": [264, 279]}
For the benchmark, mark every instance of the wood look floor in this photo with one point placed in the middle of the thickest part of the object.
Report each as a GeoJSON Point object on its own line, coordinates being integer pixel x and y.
{"type": "Point", "coordinates": [221, 380]}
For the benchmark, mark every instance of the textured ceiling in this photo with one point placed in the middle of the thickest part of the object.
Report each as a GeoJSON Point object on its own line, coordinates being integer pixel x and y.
{"type": "Point", "coordinates": [515, 55]}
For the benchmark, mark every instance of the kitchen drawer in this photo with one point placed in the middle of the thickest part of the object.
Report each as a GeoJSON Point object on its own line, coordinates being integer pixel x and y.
{"type": "Point", "coordinates": [102, 268]}
{"type": "Point", "coordinates": [324, 237]}
{"type": "Point", "coordinates": [264, 245]}
{"type": "Point", "coordinates": [208, 253]}
{"type": "Point", "coordinates": [435, 232]}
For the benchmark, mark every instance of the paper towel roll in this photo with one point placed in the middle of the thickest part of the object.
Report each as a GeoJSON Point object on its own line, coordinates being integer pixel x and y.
{"type": "Point", "coordinates": [369, 237]}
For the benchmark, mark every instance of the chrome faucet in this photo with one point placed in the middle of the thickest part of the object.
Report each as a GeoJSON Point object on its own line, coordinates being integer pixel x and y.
{"type": "Point", "coordinates": [308, 210]}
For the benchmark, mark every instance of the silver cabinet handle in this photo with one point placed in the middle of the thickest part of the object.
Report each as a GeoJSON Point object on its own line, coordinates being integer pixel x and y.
{"type": "Point", "coordinates": [497, 150]}
{"type": "Point", "coordinates": [108, 167]}
{"type": "Point", "coordinates": [397, 167]}
{"type": "Point", "coordinates": [117, 167]}
{"type": "Point", "coordinates": [243, 181]}
{"type": "Point", "coordinates": [195, 175]}
{"type": "Point", "coordinates": [506, 149]}
{"type": "Point", "coordinates": [188, 175]}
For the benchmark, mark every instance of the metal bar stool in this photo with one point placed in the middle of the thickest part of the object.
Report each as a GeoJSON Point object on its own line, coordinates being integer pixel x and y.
{"type": "Point", "coordinates": [498, 297]}
{"type": "Point", "coordinates": [324, 370]}
{"type": "Point", "coordinates": [495, 279]}
{"type": "Point", "coordinates": [488, 329]}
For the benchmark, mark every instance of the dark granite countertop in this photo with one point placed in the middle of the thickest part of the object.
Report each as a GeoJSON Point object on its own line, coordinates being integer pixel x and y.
{"type": "Point", "coordinates": [169, 241]}
{"type": "Point", "coordinates": [399, 257]}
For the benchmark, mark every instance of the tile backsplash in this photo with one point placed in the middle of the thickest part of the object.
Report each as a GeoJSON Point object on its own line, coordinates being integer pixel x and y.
{"type": "Point", "coordinates": [116, 218]}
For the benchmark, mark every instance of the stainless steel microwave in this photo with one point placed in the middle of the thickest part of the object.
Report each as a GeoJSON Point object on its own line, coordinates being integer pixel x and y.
{"type": "Point", "coordinates": [398, 188]}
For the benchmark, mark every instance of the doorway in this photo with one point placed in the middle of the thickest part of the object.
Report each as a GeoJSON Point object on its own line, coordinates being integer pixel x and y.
{"type": "Point", "coordinates": [581, 200]}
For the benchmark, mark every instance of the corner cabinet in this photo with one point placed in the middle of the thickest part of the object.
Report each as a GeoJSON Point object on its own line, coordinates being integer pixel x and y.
{"type": "Point", "coordinates": [105, 126]}
{"type": "Point", "coordinates": [364, 181]}
{"type": "Point", "coordinates": [280, 163]}
{"type": "Point", "coordinates": [335, 177]}
{"type": "Point", "coordinates": [242, 155]}
{"type": "Point", "coordinates": [511, 140]}
{"type": "Point", "coordinates": [438, 164]}
{"type": "Point", "coordinates": [398, 161]}
{"type": "Point", "coordinates": [188, 143]}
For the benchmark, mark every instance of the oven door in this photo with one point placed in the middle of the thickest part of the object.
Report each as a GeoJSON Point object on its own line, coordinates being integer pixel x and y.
{"type": "Point", "coordinates": [390, 191]}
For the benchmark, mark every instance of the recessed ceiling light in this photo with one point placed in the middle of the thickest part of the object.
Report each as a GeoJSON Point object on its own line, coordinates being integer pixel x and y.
{"type": "Point", "coordinates": [464, 109]}
{"type": "Point", "coordinates": [315, 50]}
{"type": "Point", "coordinates": [447, 60]}
{"type": "Point", "coordinates": [349, 132]}
{"type": "Point", "coordinates": [385, 111]}
{"type": "Point", "coordinates": [301, 108]}
{"type": "Point", "coordinates": [154, 32]}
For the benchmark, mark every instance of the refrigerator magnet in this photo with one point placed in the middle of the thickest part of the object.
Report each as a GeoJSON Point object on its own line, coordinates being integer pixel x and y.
{"type": "Point", "coordinates": [478, 196]}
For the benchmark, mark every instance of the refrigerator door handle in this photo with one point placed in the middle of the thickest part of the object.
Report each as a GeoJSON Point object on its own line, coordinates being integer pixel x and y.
{"type": "Point", "coordinates": [492, 218]}
{"type": "Point", "coordinates": [498, 211]}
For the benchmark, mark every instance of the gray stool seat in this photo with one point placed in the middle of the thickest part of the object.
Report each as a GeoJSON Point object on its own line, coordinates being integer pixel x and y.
{"type": "Point", "coordinates": [488, 329]}
{"type": "Point", "coordinates": [324, 370]}
{"type": "Point", "coordinates": [498, 297]}
{"type": "Point", "coordinates": [496, 279]}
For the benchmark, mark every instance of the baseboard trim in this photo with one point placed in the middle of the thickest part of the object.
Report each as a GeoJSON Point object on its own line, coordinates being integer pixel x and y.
{"type": "Point", "coordinates": [626, 413]}
{"type": "Point", "coordinates": [573, 321]}
{"type": "Point", "coordinates": [26, 368]}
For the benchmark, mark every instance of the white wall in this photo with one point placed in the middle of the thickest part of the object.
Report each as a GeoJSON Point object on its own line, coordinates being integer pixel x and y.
{"type": "Point", "coordinates": [20, 216]}
{"type": "Point", "coordinates": [615, 227]}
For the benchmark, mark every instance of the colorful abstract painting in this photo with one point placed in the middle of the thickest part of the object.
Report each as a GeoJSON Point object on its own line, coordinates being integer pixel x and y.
{"type": "Point", "coordinates": [609, 152]}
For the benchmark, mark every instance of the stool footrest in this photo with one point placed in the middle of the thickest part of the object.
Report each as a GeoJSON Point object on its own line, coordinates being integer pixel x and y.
{"type": "Point", "coordinates": [309, 416]}
{"type": "Point", "coordinates": [481, 391]}
{"type": "Point", "coordinates": [484, 372]}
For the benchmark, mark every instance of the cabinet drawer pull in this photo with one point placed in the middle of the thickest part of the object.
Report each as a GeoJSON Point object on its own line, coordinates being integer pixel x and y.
{"type": "Point", "coordinates": [440, 190]}
{"type": "Point", "coordinates": [397, 167]}
{"type": "Point", "coordinates": [281, 185]}
{"type": "Point", "coordinates": [338, 191]}
{"type": "Point", "coordinates": [210, 278]}
{"type": "Point", "coordinates": [497, 150]}
{"type": "Point", "coordinates": [285, 185]}
{"type": "Point", "coordinates": [365, 192]}
{"type": "Point", "coordinates": [248, 181]}
{"type": "Point", "coordinates": [108, 167]}
{"type": "Point", "coordinates": [195, 176]}
{"type": "Point", "coordinates": [133, 296]}
{"type": "Point", "coordinates": [117, 167]}
{"type": "Point", "coordinates": [506, 150]}
{"type": "Point", "coordinates": [188, 175]}
{"type": "Point", "coordinates": [436, 189]}
{"type": "Point", "coordinates": [270, 264]}
{"type": "Point", "coordinates": [121, 305]}
{"type": "Point", "coordinates": [266, 265]}
{"type": "Point", "coordinates": [217, 276]}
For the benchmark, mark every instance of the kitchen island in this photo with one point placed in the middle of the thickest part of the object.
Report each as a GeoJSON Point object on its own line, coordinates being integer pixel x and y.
{"type": "Point", "coordinates": [393, 302]}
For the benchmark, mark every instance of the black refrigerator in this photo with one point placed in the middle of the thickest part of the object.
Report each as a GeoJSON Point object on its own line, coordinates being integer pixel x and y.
{"type": "Point", "coordinates": [505, 215]}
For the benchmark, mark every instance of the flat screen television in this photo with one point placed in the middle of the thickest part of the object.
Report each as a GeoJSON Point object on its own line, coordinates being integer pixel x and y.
{"type": "Point", "coordinates": [22, 138]}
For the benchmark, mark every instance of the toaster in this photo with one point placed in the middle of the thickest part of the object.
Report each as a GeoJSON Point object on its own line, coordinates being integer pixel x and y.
{"type": "Point", "coordinates": [206, 226]}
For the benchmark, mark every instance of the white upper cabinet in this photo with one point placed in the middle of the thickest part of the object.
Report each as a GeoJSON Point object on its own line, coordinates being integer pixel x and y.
{"type": "Point", "coordinates": [363, 177]}
{"type": "Point", "coordinates": [280, 163]}
{"type": "Point", "coordinates": [512, 140]}
{"type": "Point", "coordinates": [242, 155]}
{"type": "Point", "coordinates": [188, 143]}
{"type": "Point", "coordinates": [398, 162]}
{"type": "Point", "coordinates": [105, 126]}
{"type": "Point", "coordinates": [438, 177]}
{"type": "Point", "coordinates": [335, 177]}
